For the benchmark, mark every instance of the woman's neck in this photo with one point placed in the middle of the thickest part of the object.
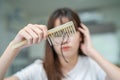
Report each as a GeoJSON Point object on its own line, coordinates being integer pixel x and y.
{"type": "Point", "coordinates": [67, 66]}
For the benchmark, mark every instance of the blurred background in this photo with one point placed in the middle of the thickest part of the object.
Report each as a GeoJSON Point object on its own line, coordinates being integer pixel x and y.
{"type": "Point", "coordinates": [101, 16]}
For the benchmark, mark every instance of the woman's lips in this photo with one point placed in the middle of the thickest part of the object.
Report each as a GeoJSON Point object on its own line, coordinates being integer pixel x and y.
{"type": "Point", "coordinates": [65, 48]}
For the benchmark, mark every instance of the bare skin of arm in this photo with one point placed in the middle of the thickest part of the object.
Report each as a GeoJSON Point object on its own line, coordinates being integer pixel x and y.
{"type": "Point", "coordinates": [11, 78]}
{"type": "Point", "coordinates": [34, 34]}
{"type": "Point", "coordinates": [6, 60]}
{"type": "Point", "coordinates": [112, 71]}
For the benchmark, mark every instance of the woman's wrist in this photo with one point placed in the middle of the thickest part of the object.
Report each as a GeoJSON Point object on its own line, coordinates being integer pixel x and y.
{"type": "Point", "coordinates": [11, 44]}
{"type": "Point", "coordinates": [92, 52]}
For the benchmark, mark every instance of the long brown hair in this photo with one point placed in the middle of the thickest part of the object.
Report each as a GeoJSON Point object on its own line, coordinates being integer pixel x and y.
{"type": "Point", "coordinates": [51, 62]}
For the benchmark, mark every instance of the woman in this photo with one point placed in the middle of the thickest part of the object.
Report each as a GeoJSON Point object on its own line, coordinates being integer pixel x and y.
{"type": "Point", "coordinates": [72, 59]}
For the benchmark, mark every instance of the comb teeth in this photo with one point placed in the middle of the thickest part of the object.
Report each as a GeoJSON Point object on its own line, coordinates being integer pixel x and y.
{"type": "Point", "coordinates": [61, 27]}
{"type": "Point", "coordinates": [67, 28]}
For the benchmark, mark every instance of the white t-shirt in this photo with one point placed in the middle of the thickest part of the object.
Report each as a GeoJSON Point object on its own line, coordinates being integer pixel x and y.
{"type": "Point", "coordinates": [85, 69]}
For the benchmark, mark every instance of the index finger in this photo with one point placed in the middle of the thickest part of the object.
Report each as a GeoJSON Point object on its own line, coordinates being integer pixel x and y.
{"type": "Point", "coordinates": [44, 29]}
{"type": "Point", "coordinates": [84, 27]}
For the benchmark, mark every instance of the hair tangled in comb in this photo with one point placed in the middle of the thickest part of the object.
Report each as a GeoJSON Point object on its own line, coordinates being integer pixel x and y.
{"type": "Point", "coordinates": [51, 63]}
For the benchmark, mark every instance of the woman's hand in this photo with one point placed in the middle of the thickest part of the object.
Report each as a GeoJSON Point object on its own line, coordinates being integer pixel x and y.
{"type": "Point", "coordinates": [33, 33]}
{"type": "Point", "coordinates": [86, 47]}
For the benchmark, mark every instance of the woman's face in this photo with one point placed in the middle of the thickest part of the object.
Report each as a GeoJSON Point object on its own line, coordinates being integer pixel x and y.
{"type": "Point", "coordinates": [70, 45]}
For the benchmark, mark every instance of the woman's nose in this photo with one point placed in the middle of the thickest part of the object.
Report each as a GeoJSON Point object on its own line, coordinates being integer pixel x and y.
{"type": "Point", "coordinates": [65, 39]}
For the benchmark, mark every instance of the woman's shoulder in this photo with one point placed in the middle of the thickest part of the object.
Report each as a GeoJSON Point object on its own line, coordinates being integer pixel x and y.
{"type": "Point", "coordinates": [92, 63]}
{"type": "Point", "coordinates": [88, 61]}
{"type": "Point", "coordinates": [32, 70]}
{"type": "Point", "coordinates": [38, 63]}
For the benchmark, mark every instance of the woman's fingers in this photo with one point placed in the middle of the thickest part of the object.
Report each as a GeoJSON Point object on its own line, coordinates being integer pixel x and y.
{"type": "Point", "coordinates": [38, 32]}
{"type": "Point", "coordinates": [44, 29]}
{"type": "Point", "coordinates": [84, 30]}
{"type": "Point", "coordinates": [85, 27]}
{"type": "Point", "coordinates": [81, 30]}
{"type": "Point", "coordinates": [33, 33]}
{"type": "Point", "coordinates": [26, 36]}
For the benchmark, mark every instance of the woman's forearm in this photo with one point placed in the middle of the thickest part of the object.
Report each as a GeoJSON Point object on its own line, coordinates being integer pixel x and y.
{"type": "Point", "coordinates": [113, 72]}
{"type": "Point", "coordinates": [32, 33]}
{"type": "Point", "coordinates": [6, 59]}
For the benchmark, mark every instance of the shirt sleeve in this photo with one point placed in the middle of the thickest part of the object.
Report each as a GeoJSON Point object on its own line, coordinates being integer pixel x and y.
{"type": "Point", "coordinates": [100, 73]}
{"type": "Point", "coordinates": [30, 72]}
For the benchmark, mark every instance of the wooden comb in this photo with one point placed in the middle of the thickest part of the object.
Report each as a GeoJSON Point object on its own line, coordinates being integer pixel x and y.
{"type": "Point", "coordinates": [68, 28]}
